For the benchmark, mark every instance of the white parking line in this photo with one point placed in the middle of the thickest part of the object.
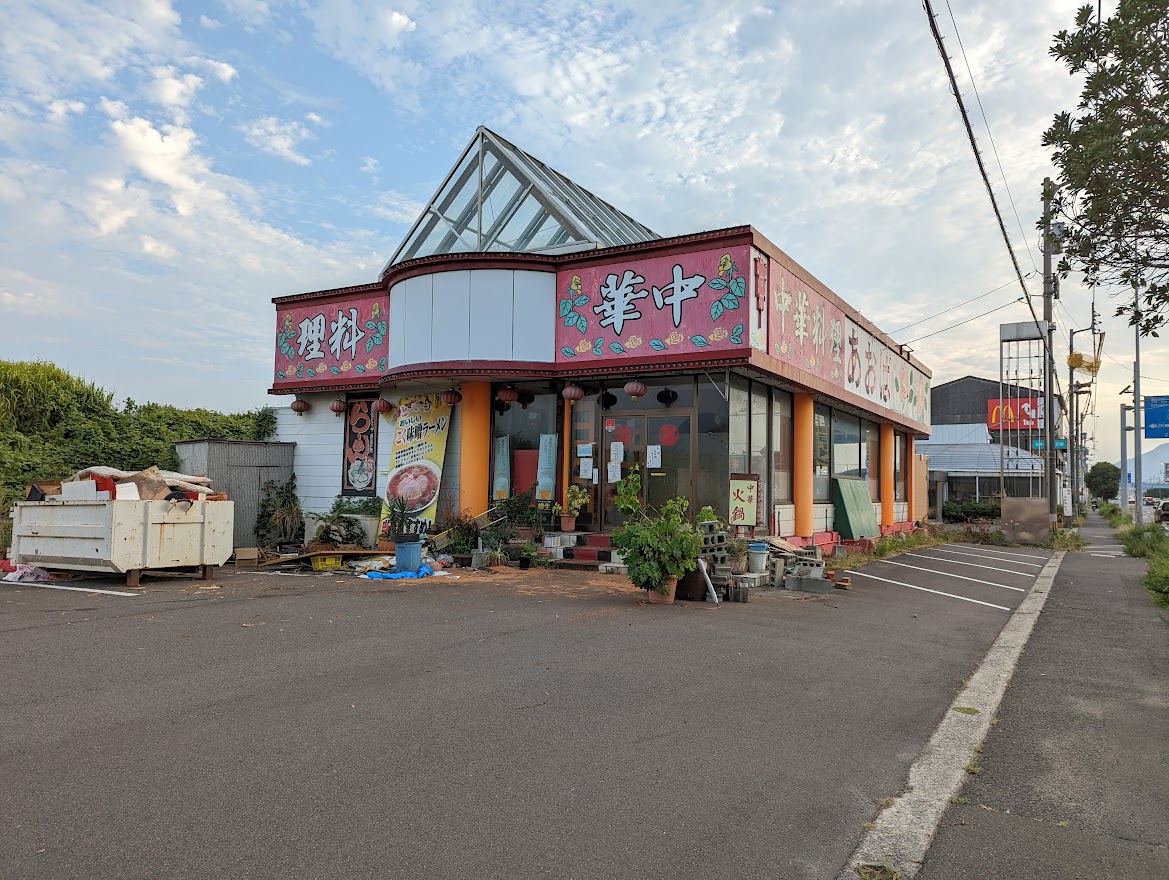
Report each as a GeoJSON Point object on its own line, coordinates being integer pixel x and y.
{"type": "Point", "coordinates": [74, 589]}
{"type": "Point", "coordinates": [986, 556]}
{"type": "Point", "coordinates": [996, 550]}
{"type": "Point", "coordinates": [949, 561]}
{"type": "Point", "coordinates": [958, 576]}
{"type": "Point", "coordinates": [935, 592]}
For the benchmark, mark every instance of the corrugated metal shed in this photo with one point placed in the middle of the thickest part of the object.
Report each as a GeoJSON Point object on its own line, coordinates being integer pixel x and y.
{"type": "Point", "coordinates": [240, 468]}
{"type": "Point", "coordinates": [978, 459]}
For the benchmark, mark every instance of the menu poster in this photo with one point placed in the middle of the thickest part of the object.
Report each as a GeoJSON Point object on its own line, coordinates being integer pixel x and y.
{"type": "Point", "coordinates": [614, 471]}
{"type": "Point", "coordinates": [501, 479]}
{"type": "Point", "coordinates": [617, 452]}
{"type": "Point", "coordinates": [420, 435]}
{"type": "Point", "coordinates": [584, 450]}
{"type": "Point", "coordinates": [586, 468]}
{"type": "Point", "coordinates": [653, 456]}
{"type": "Point", "coordinates": [546, 470]}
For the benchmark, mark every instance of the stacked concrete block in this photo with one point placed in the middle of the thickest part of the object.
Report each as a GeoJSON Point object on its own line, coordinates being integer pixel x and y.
{"type": "Point", "coordinates": [714, 553]}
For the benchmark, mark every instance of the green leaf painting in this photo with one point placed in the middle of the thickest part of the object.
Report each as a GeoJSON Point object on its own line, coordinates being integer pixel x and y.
{"type": "Point", "coordinates": [716, 309]}
{"type": "Point", "coordinates": [336, 371]}
{"type": "Point", "coordinates": [729, 300]}
{"type": "Point", "coordinates": [582, 324]}
{"type": "Point", "coordinates": [657, 345]}
{"type": "Point", "coordinates": [716, 284]}
{"type": "Point", "coordinates": [700, 341]}
{"type": "Point", "coordinates": [616, 348]}
{"type": "Point", "coordinates": [359, 367]}
{"type": "Point", "coordinates": [597, 346]}
{"type": "Point", "coordinates": [565, 307]}
{"type": "Point", "coordinates": [581, 300]}
{"type": "Point", "coordinates": [568, 352]}
{"type": "Point", "coordinates": [739, 286]}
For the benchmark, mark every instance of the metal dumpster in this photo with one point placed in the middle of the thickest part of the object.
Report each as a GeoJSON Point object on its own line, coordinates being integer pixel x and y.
{"type": "Point", "coordinates": [122, 537]}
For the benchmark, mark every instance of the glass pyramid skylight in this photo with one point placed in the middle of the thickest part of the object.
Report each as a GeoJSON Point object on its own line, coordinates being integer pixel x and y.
{"type": "Point", "coordinates": [499, 199]}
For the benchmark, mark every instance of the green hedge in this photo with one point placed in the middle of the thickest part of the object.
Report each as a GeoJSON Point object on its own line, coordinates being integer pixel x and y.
{"type": "Point", "coordinates": [964, 511]}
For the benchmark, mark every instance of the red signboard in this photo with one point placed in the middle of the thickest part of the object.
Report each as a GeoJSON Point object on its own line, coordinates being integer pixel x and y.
{"type": "Point", "coordinates": [359, 472]}
{"type": "Point", "coordinates": [341, 343]}
{"type": "Point", "coordinates": [634, 309]}
{"type": "Point", "coordinates": [1014, 414]}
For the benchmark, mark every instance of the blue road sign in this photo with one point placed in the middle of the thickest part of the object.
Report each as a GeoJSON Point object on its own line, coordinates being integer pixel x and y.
{"type": "Point", "coordinates": [1157, 417]}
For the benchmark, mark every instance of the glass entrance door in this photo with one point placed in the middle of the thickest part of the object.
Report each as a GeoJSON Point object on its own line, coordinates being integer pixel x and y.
{"type": "Point", "coordinates": [660, 444]}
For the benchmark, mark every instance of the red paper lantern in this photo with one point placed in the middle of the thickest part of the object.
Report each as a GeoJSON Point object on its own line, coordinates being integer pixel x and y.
{"type": "Point", "coordinates": [451, 397]}
{"type": "Point", "coordinates": [300, 407]}
{"type": "Point", "coordinates": [338, 406]}
{"type": "Point", "coordinates": [572, 392]}
{"type": "Point", "coordinates": [507, 395]}
{"type": "Point", "coordinates": [526, 399]}
{"type": "Point", "coordinates": [635, 388]}
{"type": "Point", "coordinates": [381, 405]}
{"type": "Point", "coordinates": [667, 396]}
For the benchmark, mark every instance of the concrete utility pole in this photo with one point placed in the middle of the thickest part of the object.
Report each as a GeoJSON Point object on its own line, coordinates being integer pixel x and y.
{"type": "Point", "coordinates": [1048, 363]}
{"type": "Point", "coordinates": [1124, 429]}
{"type": "Point", "coordinates": [1137, 428]}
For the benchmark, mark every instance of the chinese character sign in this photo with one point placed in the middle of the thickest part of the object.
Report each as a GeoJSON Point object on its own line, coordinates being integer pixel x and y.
{"type": "Point", "coordinates": [358, 473]}
{"type": "Point", "coordinates": [335, 344]}
{"type": "Point", "coordinates": [683, 303]}
{"type": "Point", "coordinates": [744, 505]}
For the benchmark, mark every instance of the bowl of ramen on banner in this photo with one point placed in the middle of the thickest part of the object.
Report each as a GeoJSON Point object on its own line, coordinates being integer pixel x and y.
{"type": "Point", "coordinates": [415, 483]}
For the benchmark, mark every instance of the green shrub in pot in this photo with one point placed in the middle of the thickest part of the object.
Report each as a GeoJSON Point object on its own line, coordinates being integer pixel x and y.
{"type": "Point", "coordinates": [654, 546]}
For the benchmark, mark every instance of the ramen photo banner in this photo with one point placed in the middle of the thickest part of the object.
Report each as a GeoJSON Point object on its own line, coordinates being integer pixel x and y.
{"type": "Point", "coordinates": [415, 474]}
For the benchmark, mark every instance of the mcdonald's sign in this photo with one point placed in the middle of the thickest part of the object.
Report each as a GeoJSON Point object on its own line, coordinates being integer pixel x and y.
{"type": "Point", "coordinates": [1014, 414]}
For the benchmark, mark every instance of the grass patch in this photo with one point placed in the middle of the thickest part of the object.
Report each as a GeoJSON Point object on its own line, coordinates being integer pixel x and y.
{"type": "Point", "coordinates": [883, 871]}
{"type": "Point", "coordinates": [965, 710]}
{"type": "Point", "coordinates": [1062, 539]}
{"type": "Point", "coordinates": [1150, 542]}
{"type": "Point", "coordinates": [973, 767]}
{"type": "Point", "coordinates": [960, 801]}
{"type": "Point", "coordinates": [891, 545]}
{"type": "Point", "coordinates": [886, 803]}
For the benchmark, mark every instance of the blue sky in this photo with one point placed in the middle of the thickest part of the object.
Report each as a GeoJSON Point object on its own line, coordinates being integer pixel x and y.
{"type": "Point", "coordinates": [168, 167]}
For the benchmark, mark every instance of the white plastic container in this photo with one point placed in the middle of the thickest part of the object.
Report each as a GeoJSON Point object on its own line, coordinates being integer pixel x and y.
{"type": "Point", "coordinates": [122, 536]}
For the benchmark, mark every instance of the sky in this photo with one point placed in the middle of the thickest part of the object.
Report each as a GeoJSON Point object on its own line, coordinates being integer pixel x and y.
{"type": "Point", "coordinates": [166, 168]}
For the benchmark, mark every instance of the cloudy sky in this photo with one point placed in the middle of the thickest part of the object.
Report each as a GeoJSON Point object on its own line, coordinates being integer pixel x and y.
{"type": "Point", "coordinates": [168, 167]}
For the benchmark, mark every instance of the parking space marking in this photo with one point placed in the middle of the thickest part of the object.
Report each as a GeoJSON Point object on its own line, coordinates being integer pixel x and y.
{"type": "Point", "coordinates": [996, 550]}
{"type": "Point", "coordinates": [986, 556]}
{"type": "Point", "coordinates": [74, 589]}
{"type": "Point", "coordinates": [958, 576]}
{"type": "Point", "coordinates": [949, 561]}
{"type": "Point", "coordinates": [935, 592]}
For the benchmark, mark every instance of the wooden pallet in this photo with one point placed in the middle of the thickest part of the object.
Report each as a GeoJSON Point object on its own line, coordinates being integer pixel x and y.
{"type": "Point", "coordinates": [301, 557]}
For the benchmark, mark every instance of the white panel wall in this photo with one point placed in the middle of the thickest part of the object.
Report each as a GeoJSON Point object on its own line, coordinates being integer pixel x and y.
{"type": "Point", "coordinates": [319, 436]}
{"type": "Point", "coordinates": [534, 317]}
{"type": "Point", "coordinates": [450, 326]}
{"type": "Point", "coordinates": [474, 315]}
{"type": "Point", "coordinates": [900, 511]}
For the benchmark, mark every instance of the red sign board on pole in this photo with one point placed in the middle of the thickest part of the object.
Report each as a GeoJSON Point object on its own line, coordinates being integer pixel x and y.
{"type": "Point", "coordinates": [1014, 414]}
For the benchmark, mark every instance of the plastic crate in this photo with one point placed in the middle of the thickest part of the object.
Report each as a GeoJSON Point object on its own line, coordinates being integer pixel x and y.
{"type": "Point", "coordinates": [326, 563]}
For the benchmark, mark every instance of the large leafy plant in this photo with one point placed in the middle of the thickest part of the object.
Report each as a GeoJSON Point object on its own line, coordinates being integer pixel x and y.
{"type": "Point", "coordinates": [655, 545]}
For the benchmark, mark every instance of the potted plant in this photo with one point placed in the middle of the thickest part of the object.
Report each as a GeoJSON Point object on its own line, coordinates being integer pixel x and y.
{"type": "Point", "coordinates": [707, 514]}
{"type": "Point", "coordinates": [575, 499]}
{"type": "Point", "coordinates": [521, 512]}
{"type": "Point", "coordinates": [737, 554]}
{"type": "Point", "coordinates": [658, 548]}
{"type": "Point", "coordinates": [398, 523]}
{"type": "Point", "coordinates": [464, 537]}
{"type": "Point", "coordinates": [495, 558]}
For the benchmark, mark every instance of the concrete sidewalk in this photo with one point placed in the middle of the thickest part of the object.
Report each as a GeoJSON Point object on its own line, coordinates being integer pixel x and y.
{"type": "Point", "coordinates": [1075, 778]}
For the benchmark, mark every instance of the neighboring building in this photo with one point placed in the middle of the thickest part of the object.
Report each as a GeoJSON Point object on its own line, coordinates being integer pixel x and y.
{"type": "Point", "coordinates": [539, 335]}
{"type": "Point", "coordinates": [982, 432]}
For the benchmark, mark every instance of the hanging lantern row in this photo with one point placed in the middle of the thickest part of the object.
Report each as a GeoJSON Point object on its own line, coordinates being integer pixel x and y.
{"type": "Point", "coordinates": [451, 397]}
{"type": "Point", "coordinates": [507, 395]}
{"type": "Point", "coordinates": [338, 407]}
{"type": "Point", "coordinates": [572, 392]}
{"type": "Point", "coordinates": [300, 407]}
{"type": "Point", "coordinates": [635, 388]}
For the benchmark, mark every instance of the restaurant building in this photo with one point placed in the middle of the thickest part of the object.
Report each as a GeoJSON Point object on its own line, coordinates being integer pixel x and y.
{"type": "Point", "coordinates": [527, 332]}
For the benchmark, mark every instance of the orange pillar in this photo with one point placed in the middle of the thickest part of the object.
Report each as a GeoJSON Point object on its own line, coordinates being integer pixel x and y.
{"type": "Point", "coordinates": [888, 492]}
{"type": "Point", "coordinates": [911, 479]}
{"type": "Point", "coordinates": [475, 447]}
{"type": "Point", "coordinates": [803, 435]}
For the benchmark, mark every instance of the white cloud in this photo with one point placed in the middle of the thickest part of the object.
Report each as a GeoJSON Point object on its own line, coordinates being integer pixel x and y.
{"type": "Point", "coordinates": [221, 70]}
{"type": "Point", "coordinates": [59, 110]}
{"type": "Point", "coordinates": [209, 23]}
{"type": "Point", "coordinates": [370, 165]}
{"type": "Point", "coordinates": [251, 12]}
{"type": "Point", "coordinates": [278, 137]}
{"type": "Point", "coordinates": [152, 247]}
{"type": "Point", "coordinates": [173, 90]}
{"type": "Point", "coordinates": [396, 207]}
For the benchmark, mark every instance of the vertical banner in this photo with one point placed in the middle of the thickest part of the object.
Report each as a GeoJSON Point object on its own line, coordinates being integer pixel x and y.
{"type": "Point", "coordinates": [415, 473]}
{"type": "Point", "coordinates": [744, 506]}
{"type": "Point", "coordinates": [359, 465]}
{"type": "Point", "coordinates": [546, 472]}
{"type": "Point", "coordinates": [501, 479]}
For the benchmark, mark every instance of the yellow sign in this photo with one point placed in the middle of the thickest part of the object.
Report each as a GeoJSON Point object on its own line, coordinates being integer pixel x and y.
{"type": "Point", "coordinates": [744, 500]}
{"type": "Point", "coordinates": [415, 474]}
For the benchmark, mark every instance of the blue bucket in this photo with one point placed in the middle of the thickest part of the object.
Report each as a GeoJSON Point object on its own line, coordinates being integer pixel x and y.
{"type": "Point", "coordinates": [409, 556]}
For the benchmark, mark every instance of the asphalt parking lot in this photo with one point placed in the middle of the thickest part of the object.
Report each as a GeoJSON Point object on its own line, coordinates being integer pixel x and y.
{"type": "Point", "coordinates": [520, 724]}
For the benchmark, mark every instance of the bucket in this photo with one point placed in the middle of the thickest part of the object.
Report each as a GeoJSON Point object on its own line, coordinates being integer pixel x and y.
{"type": "Point", "coordinates": [757, 558]}
{"type": "Point", "coordinates": [409, 556]}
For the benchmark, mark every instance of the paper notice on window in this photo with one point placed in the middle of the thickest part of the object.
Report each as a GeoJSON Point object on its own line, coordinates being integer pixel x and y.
{"type": "Point", "coordinates": [614, 471]}
{"type": "Point", "coordinates": [584, 450]}
{"type": "Point", "coordinates": [586, 468]}
{"type": "Point", "coordinates": [653, 456]}
{"type": "Point", "coordinates": [616, 452]}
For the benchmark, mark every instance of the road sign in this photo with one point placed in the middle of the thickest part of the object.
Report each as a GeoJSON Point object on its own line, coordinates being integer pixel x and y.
{"type": "Point", "coordinates": [1061, 443]}
{"type": "Point", "coordinates": [1157, 417]}
{"type": "Point", "coordinates": [1038, 444]}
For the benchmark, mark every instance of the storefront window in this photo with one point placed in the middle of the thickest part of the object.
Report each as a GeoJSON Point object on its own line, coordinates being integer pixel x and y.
{"type": "Point", "coordinates": [713, 472]}
{"type": "Point", "coordinates": [821, 454]}
{"type": "Point", "coordinates": [740, 406]}
{"type": "Point", "coordinates": [846, 445]}
{"type": "Point", "coordinates": [760, 422]}
{"type": "Point", "coordinates": [781, 446]}
{"type": "Point", "coordinates": [871, 457]}
{"type": "Point", "coordinates": [900, 462]}
{"type": "Point", "coordinates": [522, 427]}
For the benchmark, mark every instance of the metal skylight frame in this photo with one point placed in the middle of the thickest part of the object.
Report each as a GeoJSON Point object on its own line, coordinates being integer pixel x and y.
{"type": "Point", "coordinates": [489, 162]}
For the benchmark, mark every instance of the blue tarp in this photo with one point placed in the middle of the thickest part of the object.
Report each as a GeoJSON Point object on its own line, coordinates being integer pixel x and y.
{"type": "Point", "coordinates": [423, 571]}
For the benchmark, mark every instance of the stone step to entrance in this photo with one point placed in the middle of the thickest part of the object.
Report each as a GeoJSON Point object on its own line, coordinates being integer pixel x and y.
{"type": "Point", "coordinates": [598, 540]}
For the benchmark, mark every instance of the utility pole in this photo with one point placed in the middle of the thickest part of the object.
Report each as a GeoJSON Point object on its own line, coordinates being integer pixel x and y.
{"type": "Point", "coordinates": [1137, 420]}
{"type": "Point", "coordinates": [1048, 364]}
{"type": "Point", "coordinates": [1124, 429]}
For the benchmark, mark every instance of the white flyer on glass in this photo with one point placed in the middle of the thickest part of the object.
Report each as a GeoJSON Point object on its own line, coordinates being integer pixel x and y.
{"type": "Point", "coordinates": [653, 456]}
{"type": "Point", "coordinates": [614, 471]}
{"type": "Point", "coordinates": [584, 450]}
{"type": "Point", "coordinates": [616, 452]}
{"type": "Point", "coordinates": [586, 468]}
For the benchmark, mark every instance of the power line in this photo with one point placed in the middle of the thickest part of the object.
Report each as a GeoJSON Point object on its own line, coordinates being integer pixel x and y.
{"type": "Point", "coordinates": [958, 306]}
{"type": "Point", "coordinates": [967, 321]}
{"type": "Point", "coordinates": [990, 136]}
